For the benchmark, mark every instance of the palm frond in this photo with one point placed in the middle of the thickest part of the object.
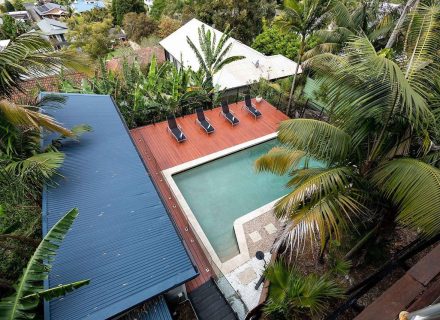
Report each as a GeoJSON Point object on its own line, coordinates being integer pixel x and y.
{"type": "Point", "coordinates": [37, 169]}
{"type": "Point", "coordinates": [279, 160]}
{"type": "Point", "coordinates": [414, 187]}
{"type": "Point", "coordinates": [325, 218]}
{"type": "Point", "coordinates": [19, 115]}
{"type": "Point", "coordinates": [312, 185]}
{"type": "Point", "coordinates": [225, 62]}
{"type": "Point", "coordinates": [422, 45]}
{"type": "Point", "coordinates": [30, 55]}
{"type": "Point", "coordinates": [320, 140]}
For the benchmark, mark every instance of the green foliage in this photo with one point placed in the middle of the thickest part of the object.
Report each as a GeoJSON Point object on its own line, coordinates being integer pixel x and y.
{"type": "Point", "coordinates": [381, 124]}
{"type": "Point", "coordinates": [92, 37]}
{"type": "Point", "coordinates": [272, 41]}
{"type": "Point", "coordinates": [138, 25]}
{"type": "Point", "coordinates": [96, 15]}
{"type": "Point", "coordinates": [244, 18]}
{"type": "Point", "coordinates": [337, 265]}
{"type": "Point", "coordinates": [9, 6]}
{"type": "Point", "coordinates": [22, 304]}
{"type": "Point", "coordinates": [302, 18]}
{"type": "Point", "coordinates": [18, 5]}
{"type": "Point", "coordinates": [213, 55]}
{"type": "Point", "coordinates": [292, 294]}
{"type": "Point", "coordinates": [30, 55]}
{"type": "Point", "coordinates": [24, 167]}
{"type": "Point", "coordinates": [355, 18]}
{"type": "Point", "coordinates": [11, 28]}
{"type": "Point", "coordinates": [148, 96]}
{"type": "Point", "coordinates": [158, 8]}
{"type": "Point", "coordinates": [121, 7]}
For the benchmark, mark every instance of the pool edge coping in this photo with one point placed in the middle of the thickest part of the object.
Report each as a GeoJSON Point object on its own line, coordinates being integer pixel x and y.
{"type": "Point", "coordinates": [238, 225]}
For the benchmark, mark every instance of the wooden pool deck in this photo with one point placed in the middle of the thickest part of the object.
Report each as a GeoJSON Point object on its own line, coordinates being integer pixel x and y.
{"type": "Point", "coordinates": [161, 151]}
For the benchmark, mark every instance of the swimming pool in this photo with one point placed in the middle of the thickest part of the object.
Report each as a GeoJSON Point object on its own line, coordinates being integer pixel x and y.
{"type": "Point", "coordinates": [220, 191]}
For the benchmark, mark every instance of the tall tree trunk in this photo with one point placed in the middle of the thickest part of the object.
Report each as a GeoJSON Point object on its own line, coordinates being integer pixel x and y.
{"type": "Point", "coordinates": [395, 33]}
{"type": "Point", "coordinates": [298, 63]}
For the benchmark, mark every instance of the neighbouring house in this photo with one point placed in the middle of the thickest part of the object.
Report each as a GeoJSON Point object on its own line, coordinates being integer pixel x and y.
{"type": "Point", "coordinates": [117, 34]}
{"type": "Point", "coordinates": [79, 6]}
{"type": "Point", "coordinates": [234, 76]}
{"type": "Point", "coordinates": [4, 44]}
{"type": "Point", "coordinates": [19, 15]}
{"type": "Point", "coordinates": [49, 10]}
{"type": "Point", "coordinates": [123, 239]}
{"type": "Point", "coordinates": [54, 31]}
{"type": "Point", "coordinates": [142, 56]}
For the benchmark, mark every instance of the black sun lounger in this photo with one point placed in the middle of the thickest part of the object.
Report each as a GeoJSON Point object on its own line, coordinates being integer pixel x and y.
{"type": "Point", "coordinates": [175, 129]}
{"type": "Point", "coordinates": [204, 121]}
{"type": "Point", "coordinates": [229, 115]}
{"type": "Point", "coordinates": [251, 108]}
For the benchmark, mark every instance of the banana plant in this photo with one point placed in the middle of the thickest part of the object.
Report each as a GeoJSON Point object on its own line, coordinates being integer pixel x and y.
{"type": "Point", "coordinates": [28, 291]}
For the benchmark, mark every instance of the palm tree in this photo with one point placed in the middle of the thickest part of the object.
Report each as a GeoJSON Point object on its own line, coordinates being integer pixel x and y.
{"type": "Point", "coordinates": [212, 56]}
{"type": "Point", "coordinates": [302, 17]}
{"type": "Point", "coordinates": [366, 18]}
{"type": "Point", "coordinates": [28, 291]}
{"type": "Point", "coordinates": [24, 166]}
{"type": "Point", "coordinates": [30, 55]}
{"type": "Point", "coordinates": [291, 294]}
{"type": "Point", "coordinates": [375, 147]}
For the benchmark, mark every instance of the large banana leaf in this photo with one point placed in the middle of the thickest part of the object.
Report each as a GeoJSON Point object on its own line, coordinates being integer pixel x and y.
{"type": "Point", "coordinates": [22, 304]}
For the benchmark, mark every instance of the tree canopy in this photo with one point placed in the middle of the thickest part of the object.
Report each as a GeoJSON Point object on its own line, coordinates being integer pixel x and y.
{"type": "Point", "coordinates": [91, 37]}
{"type": "Point", "coordinates": [121, 7]}
{"type": "Point", "coordinates": [244, 18]}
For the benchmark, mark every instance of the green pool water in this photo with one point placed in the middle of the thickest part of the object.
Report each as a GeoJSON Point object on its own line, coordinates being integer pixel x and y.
{"type": "Point", "coordinates": [220, 191]}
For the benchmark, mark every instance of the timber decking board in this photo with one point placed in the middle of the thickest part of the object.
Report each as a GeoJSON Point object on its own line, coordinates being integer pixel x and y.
{"type": "Point", "coordinates": [169, 153]}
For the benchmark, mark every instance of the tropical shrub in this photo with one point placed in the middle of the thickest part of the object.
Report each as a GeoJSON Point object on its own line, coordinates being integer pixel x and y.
{"type": "Point", "coordinates": [212, 57]}
{"type": "Point", "coordinates": [295, 295]}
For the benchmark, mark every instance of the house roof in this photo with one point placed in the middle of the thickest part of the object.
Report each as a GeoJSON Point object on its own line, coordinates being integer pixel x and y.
{"type": "Point", "coordinates": [19, 15]}
{"type": "Point", "coordinates": [51, 26]}
{"type": "Point", "coordinates": [50, 8]}
{"type": "Point", "coordinates": [237, 74]}
{"type": "Point", "coordinates": [142, 56]}
{"type": "Point", "coordinates": [86, 5]}
{"type": "Point", "coordinates": [154, 309]}
{"type": "Point", "coordinates": [123, 239]}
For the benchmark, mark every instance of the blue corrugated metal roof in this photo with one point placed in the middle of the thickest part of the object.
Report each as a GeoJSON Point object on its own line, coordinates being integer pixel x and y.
{"type": "Point", "coordinates": [155, 309]}
{"type": "Point", "coordinates": [123, 239]}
